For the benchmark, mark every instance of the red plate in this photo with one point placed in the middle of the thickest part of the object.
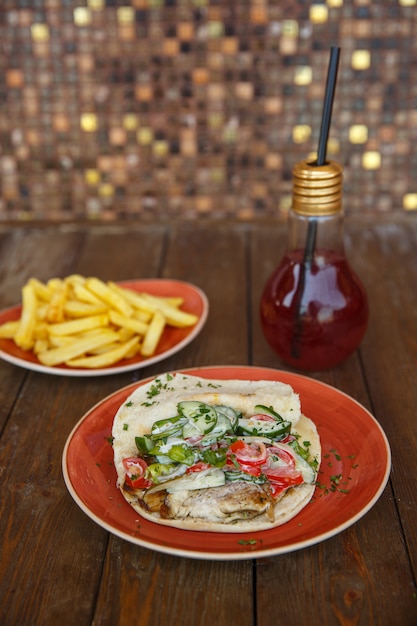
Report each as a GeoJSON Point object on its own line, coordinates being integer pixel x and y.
{"type": "Point", "coordinates": [173, 339]}
{"type": "Point", "coordinates": [354, 448]}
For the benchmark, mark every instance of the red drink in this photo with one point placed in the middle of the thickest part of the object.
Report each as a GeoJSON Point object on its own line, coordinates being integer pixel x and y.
{"type": "Point", "coordinates": [320, 322]}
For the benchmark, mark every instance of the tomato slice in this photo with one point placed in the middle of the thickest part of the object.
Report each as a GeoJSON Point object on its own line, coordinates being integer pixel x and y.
{"type": "Point", "coordinates": [254, 470]}
{"type": "Point", "coordinates": [280, 470]}
{"type": "Point", "coordinates": [283, 475]}
{"type": "Point", "coordinates": [282, 456]}
{"type": "Point", "coordinates": [197, 467]}
{"type": "Point", "coordinates": [263, 417]}
{"type": "Point", "coordinates": [277, 490]}
{"type": "Point", "coordinates": [135, 472]}
{"type": "Point", "coordinates": [253, 453]}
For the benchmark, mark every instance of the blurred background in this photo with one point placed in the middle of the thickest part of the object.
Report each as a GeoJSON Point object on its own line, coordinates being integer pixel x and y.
{"type": "Point", "coordinates": [158, 109]}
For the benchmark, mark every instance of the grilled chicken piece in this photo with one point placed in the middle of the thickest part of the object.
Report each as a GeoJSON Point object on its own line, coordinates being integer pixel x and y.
{"type": "Point", "coordinates": [228, 503]}
{"type": "Point", "coordinates": [153, 501]}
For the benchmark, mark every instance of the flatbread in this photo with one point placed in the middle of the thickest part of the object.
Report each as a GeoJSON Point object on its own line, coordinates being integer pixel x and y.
{"type": "Point", "coordinates": [158, 399]}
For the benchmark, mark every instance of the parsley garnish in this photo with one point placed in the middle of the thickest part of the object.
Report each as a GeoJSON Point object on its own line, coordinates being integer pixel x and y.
{"type": "Point", "coordinates": [336, 454]}
{"type": "Point", "coordinates": [156, 388]}
{"type": "Point", "coordinates": [336, 481]}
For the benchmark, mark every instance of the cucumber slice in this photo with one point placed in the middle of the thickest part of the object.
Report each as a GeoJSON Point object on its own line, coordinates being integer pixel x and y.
{"type": "Point", "coordinates": [230, 413]}
{"type": "Point", "coordinates": [200, 414]}
{"type": "Point", "coordinates": [168, 427]}
{"type": "Point", "coordinates": [237, 475]}
{"type": "Point", "coordinates": [263, 428]}
{"type": "Point", "coordinates": [303, 466]}
{"type": "Point", "coordinates": [144, 444]}
{"type": "Point", "coordinates": [212, 477]}
{"type": "Point", "coordinates": [223, 426]}
{"type": "Point", "coordinates": [268, 410]}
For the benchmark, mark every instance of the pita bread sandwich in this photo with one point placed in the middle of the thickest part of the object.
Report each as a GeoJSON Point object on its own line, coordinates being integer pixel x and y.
{"type": "Point", "coordinates": [215, 455]}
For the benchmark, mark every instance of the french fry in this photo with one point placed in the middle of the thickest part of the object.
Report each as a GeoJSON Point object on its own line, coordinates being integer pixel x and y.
{"type": "Point", "coordinates": [76, 348]}
{"type": "Point", "coordinates": [172, 301]}
{"type": "Point", "coordinates": [153, 334]}
{"type": "Point", "coordinates": [57, 342]}
{"type": "Point", "coordinates": [125, 334]}
{"type": "Point", "coordinates": [41, 330]}
{"type": "Point", "coordinates": [8, 329]}
{"type": "Point", "coordinates": [128, 322]}
{"type": "Point", "coordinates": [42, 291]}
{"type": "Point", "coordinates": [85, 295]}
{"type": "Point", "coordinates": [24, 333]}
{"type": "Point", "coordinates": [74, 308]}
{"type": "Point", "coordinates": [143, 316]}
{"type": "Point", "coordinates": [78, 326]}
{"type": "Point", "coordinates": [42, 311]}
{"type": "Point", "coordinates": [106, 358]}
{"type": "Point", "coordinates": [149, 303]}
{"type": "Point", "coordinates": [75, 279]}
{"type": "Point", "coordinates": [136, 300]}
{"type": "Point", "coordinates": [174, 316]}
{"type": "Point", "coordinates": [116, 344]}
{"type": "Point", "coordinates": [40, 345]}
{"type": "Point", "coordinates": [115, 300]}
{"type": "Point", "coordinates": [55, 312]}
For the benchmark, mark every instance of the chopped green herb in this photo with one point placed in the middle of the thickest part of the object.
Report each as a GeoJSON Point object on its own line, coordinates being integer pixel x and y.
{"type": "Point", "coordinates": [130, 403]}
{"type": "Point", "coordinates": [158, 386]}
{"type": "Point", "coordinates": [125, 426]}
{"type": "Point", "coordinates": [336, 454]}
{"type": "Point", "coordinates": [335, 479]}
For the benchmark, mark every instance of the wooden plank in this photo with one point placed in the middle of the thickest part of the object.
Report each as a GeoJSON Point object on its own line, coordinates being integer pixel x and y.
{"type": "Point", "coordinates": [193, 591]}
{"type": "Point", "coordinates": [40, 252]}
{"type": "Point", "coordinates": [339, 581]}
{"type": "Point", "coordinates": [350, 597]}
{"type": "Point", "coordinates": [166, 590]}
{"type": "Point", "coordinates": [116, 253]}
{"type": "Point", "coordinates": [45, 538]}
{"type": "Point", "coordinates": [386, 256]}
{"type": "Point", "coordinates": [20, 258]}
{"type": "Point", "coordinates": [11, 380]}
{"type": "Point", "coordinates": [37, 499]}
{"type": "Point", "coordinates": [201, 254]}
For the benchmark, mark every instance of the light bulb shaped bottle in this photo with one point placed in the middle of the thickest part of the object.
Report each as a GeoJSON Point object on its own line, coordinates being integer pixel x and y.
{"type": "Point", "coordinates": [314, 308]}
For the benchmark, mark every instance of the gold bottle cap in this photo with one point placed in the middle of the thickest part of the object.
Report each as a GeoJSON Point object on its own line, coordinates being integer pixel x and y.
{"type": "Point", "coordinates": [317, 189]}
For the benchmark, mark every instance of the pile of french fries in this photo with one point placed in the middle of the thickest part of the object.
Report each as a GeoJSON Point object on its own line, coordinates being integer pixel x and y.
{"type": "Point", "coordinates": [88, 323]}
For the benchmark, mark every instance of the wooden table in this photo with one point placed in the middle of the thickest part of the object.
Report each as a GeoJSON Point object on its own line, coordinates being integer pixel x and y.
{"type": "Point", "coordinates": [59, 567]}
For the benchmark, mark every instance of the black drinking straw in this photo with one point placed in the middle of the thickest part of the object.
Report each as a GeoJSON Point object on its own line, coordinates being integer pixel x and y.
{"type": "Point", "coordinates": [312, 222]}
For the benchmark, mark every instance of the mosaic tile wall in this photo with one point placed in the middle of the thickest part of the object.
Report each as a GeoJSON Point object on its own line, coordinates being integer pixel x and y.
{"type": "Point", "coordinates": [118, 109]}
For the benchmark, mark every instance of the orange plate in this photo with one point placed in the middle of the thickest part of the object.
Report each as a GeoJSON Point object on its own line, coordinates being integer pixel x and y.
{"type": "Point", "coordinates": [173, 339]}
{"type": "Point", "coordinates": [353, 446]}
